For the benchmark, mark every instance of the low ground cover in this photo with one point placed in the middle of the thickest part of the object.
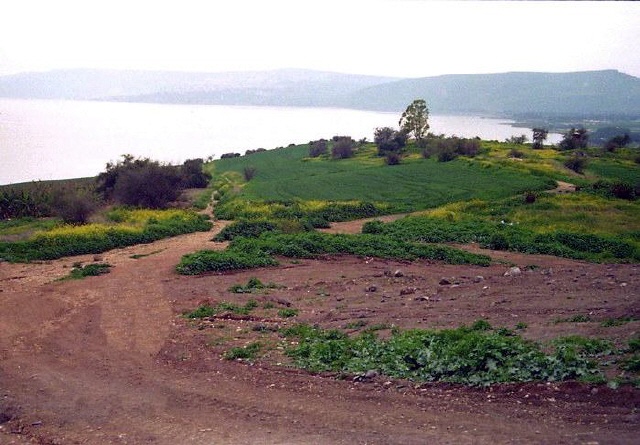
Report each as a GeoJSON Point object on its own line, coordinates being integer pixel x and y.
{"type": "Point", "coordinates": [245, 252]}
{"type": "Point", "coordinates": [580, 225]}
{"type": "Point", "coordinates": [125, 227]}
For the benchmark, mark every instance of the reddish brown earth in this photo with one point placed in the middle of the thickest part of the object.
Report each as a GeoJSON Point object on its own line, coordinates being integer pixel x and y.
{"type": "Point", "coordinates": [110, 359]}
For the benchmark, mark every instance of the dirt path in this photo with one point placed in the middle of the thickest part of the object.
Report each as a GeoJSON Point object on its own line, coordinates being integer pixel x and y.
{"type": "Point", "coordinates": [109, 359]}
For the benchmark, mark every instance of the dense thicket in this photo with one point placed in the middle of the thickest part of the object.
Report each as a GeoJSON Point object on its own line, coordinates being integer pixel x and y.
{"type": "Point", "coordinates": [146, 183]}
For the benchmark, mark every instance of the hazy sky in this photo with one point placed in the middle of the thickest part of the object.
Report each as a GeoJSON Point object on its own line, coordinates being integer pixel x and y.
{"type": "Point", "coordinates": [405, 38]}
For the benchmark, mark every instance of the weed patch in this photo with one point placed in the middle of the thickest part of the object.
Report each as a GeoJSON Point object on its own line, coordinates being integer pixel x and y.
{"type": "Point", "coordinates": [474, 355]}
{"type": "Point", "coordinates": [90, 270]}
{"type": "Point", "coordinates": [248, 352]}
{"type": "Point", "coordinates": [206, 311]}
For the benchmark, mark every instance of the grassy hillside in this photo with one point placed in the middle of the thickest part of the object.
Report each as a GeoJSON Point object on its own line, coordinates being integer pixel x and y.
{"type": "Point", "coordinates": [418, 183]}
{"type": "Point", "coordinates": [502, 197]}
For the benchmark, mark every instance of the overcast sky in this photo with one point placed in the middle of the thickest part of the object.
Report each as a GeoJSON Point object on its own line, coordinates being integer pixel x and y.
{"type": "Point", "coordinates": [404, 38]}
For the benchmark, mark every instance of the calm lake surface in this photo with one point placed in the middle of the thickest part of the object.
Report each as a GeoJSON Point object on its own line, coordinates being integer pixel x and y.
{"type": "Point", "coordinates": [46, 139]}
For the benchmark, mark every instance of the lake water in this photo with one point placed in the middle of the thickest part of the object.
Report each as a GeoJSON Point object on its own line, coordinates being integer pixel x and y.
{"type": "Point", "coordinates": [46, 139]}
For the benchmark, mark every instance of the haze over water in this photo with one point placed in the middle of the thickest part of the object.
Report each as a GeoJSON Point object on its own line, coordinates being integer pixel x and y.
{"type": "Point", "coordinates": [41, 140]}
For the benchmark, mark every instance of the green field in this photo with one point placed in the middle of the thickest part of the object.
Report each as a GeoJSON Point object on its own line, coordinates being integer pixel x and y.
{"type": "Point", "coordinates": [287, 174]}
{"type": "Point", "coordinates": [495, 198]}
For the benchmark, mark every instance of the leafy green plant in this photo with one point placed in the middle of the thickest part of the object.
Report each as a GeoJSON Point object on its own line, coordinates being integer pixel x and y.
{"type": "Point", "coordinates": [611, 322]}
{"type": "Point", "coordinates": [206, 310]}
{"type": "Point", "coordinates": [590, 347]}
{"type": "Point", "coordinates": [631, 363]}
{"type": "Point", "coordinates": [580, 318]}
{"type": "Point", "coordinates": [252, 285]}
{"type": "Point", "coordinates": [463, 355]}
{"type": "Point", "coordinates": [248, 352]}
{"type": "Point", "coordinates": [288, 312]}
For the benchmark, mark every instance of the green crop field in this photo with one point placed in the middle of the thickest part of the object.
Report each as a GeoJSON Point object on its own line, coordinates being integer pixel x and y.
{"type": "Point", "coordinates": [287, 173]}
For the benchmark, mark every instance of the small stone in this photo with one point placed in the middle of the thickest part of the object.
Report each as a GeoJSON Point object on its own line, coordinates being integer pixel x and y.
{"type": "Point", "coordinates": [398, 273]}
{"type": "Point", "coordinates": [478, 279]}
{"type": "Point", "coordinates": [513, 272]}
{"type": "Point", "coordinates": [371, 288]}
{"type": "Point", "coordinates": [444, 282]}
{"type": "Point", "coordinates": [408, 291]}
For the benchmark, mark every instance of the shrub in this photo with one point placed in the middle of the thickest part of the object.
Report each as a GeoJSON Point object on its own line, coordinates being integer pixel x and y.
{"type": "Point", "coordinates": [152, 186]}
{"type": "Point", "coordinates": [530, 197]}
{"type": "Point", "coordinates": [318, 148]}
{"type": "Point", "coordinates": [516, 154]}
{"type": "Point", "coordinates": [343, 147]}
{"type": "Point", "coordinates": [517, 140]}
{"type": "Point", "coordinates": [389, 140]}
{"type": "Point", "coordinates": [74, 206]}
{"type": "Point", "coordinates": [577, 163]}
{"type": "Point", "coordinates": [614, 189]}
{"type": "Point", "coordinates": [392, 159]}
{"type": "Point", "coordinates": [249, 173]}
{"type": "Point", "coordinates": [192, 175]}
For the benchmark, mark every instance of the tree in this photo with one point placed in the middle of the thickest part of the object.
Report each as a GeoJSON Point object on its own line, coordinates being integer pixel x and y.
{"type": "Point", "coordinates": [539, 136]}
{"type": "Point", "coordinates": [517, 140]}
{"type": "Point", "coordinates": [574, 139]}
{"type": "Point", "coordinates": [415, 119]}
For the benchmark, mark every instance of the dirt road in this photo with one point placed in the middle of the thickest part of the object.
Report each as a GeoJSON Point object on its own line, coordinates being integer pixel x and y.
{"type": "Point", "coordinates": [110, 359]}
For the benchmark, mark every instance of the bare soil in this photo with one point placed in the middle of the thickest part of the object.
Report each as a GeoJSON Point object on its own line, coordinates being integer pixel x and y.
{"type": "Point", "coordinates": [111, 359]}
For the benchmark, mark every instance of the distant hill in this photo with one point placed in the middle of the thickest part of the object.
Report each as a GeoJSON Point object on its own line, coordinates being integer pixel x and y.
{"type": "Point", "coordinates": [286, 87]}
{"type": "Point", "coordinates": [589, 93]}
{"type": "Point", "coordinates": [582, 93]}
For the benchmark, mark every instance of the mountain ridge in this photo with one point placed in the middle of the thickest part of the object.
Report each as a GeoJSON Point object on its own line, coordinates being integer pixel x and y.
{"type": "Point", "coordinates": [598, 92]}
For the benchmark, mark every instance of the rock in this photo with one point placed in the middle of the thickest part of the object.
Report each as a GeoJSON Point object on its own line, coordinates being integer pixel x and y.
{"type": "Point", "coordinates": [371, 288]}
{"type": "Point", "coordinates": [408, 291]}
{"type": "Point", "coordinates": [513, 272]}
{"type": "Point", "coordinates": [478, 279]}
{"type": "Point", "coordinates": [444, 282]}
{"type": "Point", "coordinates": [398, 273]}
{"type": "Point", "coordinates": [370, 374]}
{"type": "Point", "coordinates": [422, 298]}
